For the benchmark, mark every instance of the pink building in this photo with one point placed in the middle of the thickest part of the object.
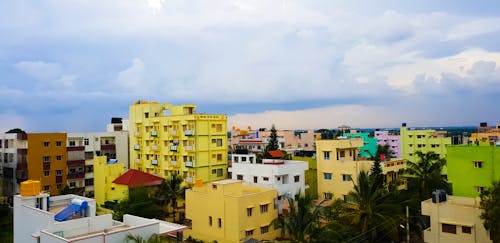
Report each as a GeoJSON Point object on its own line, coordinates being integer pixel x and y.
{"type": "Point", "coordinates": [384, 137]}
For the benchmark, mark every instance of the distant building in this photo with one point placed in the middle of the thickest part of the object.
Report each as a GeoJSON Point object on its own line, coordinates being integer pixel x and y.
{"type": "Point", "coordinates": [286, 176]}
{"type": "Point", "coordinates": [39, 218]}
{"type": "Point", "coordinates": [424, 140]}
{"type": "Point", "coordinates": [369, 148]}
{"type": "Point", "coordinates": [393, 140]}
{"type": "Point", "coordinates": [236, 212]}
{"type": "Point", "coordinates": [486, 135]}
{"type": "Point", "coordinates": [476, 163]}
{"type": "Point", "coordinates": [167, 140]}
{"type": "Point", "coordinates": [456, 219]}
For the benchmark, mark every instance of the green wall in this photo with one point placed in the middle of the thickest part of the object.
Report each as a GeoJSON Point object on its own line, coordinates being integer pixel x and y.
{"type": "Point", "coordinates": [369, 149]}
{"type": "Point", "coordinates": [311, 176]}
{"type": "Point", "coordinates": [463, 174]}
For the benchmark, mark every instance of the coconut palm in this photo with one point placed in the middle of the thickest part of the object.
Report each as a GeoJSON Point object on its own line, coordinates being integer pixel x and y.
{"type": "Point", "coordinates": [425, 176]}
{"type": "Point", "coordinates": [170, 191]}
{"type": "Point", "coordinates": [154, 238]}
{"type": "Point", "coordinates": [372, 210]}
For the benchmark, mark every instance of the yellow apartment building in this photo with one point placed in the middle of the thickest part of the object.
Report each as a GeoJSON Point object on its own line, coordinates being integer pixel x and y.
{"type": "Point", "coordinates": [46, 160]}
{"type": "Point", "coordinates": [455, 220]}
{"type": "Point", "coordinates": [424, 140]}
{"type": "Point", "coordinates": [104, 175]}
{"type": "Point", "coordinates": [167, 139]}
{"type": "Point", "coordinates": [228, 211]}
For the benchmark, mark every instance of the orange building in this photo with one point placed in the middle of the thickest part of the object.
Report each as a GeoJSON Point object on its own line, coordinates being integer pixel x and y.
{"type": "Point", "coordinates": [46, 160]}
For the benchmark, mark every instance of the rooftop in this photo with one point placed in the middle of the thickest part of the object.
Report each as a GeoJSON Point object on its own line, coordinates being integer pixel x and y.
{"type": "Point", "coordinates": [134, 178]}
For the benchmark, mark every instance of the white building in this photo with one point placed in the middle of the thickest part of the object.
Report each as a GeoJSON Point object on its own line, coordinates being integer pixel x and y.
{"type": "Point", "coordinates": [82, 147]}
{"type": "Point", "coordinates": [71, 218]}
{"type": "Point", "coordinates": [454, 220]}
{"type": "Point", "coordinates": [286, 176]}
{"type": "Point", "coordinates": [13, 149]}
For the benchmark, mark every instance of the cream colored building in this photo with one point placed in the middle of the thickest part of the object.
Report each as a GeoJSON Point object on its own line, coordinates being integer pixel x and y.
{"type": "Point", "coordinates": [228, 211]}
{"type": "Point", "coordinates": [455, 220]}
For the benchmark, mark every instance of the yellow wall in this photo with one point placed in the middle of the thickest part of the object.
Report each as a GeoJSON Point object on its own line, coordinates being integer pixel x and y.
{"type": "Point", "coordinates": [35, 157]}
{"type": "Point", "coordinates": [104, 175]}
{"type": "Point", "coordinates": [229, 202]}
{"type": "Point", "coordinates": [197, 138]}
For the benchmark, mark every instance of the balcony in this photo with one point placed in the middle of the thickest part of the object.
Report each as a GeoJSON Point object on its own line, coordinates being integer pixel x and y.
{"type": "Point", "coordinates": [189, 164]}
{"type": "Point", "coordinates": [137, 134]}
{"type": "Point", "coordinates": [189, 179]}
{"type": "Point", "coordinates": [188, 147]}
{"type": "Point", "coordinates": [138, 160]}
{"type": "Point", "coordinates": [154, 133]}
{"type": "Point", "coordinates": [174, 162]}
{"type": "Point", "coordinates": [77, 175]}
{"type": "Point", "coordinates": [22, 152]}
{"type": "Point", "coordinates": [173, 148]}
{"type": "Point", "coordinates": [75, 148]}
{"type": "Point", "coordinates": [108, 147]}
{"type": "Point", "coordinates": [89, 175]}
{"type": "Point", "coordinates": [59, 179]}
{"type": "Point", "coordinates": [154, 147]}
{"type": "Point", "coordinates": [173, 132]}
{"type": "Point", "coordinates": [188, 133]}
{"type": "Point", "coordinates": [137, 147]}
{"type": "Point", "coordinates": [73, 163]}
{"type": "Point", "coordinates": [46, 166]}
{"type": "Point", "coordinates": [154, 162]}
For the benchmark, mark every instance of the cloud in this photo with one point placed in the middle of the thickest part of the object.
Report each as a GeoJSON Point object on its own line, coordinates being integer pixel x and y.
{"type": "Point", "coordinates": [46, 73]}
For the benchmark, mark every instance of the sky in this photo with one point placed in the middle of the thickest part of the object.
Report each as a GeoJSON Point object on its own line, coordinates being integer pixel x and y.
{"type": "Point", "coordinates": [69, 66]}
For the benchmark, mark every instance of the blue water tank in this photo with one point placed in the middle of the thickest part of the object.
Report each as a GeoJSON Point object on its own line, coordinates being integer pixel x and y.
{"type": "Point", "coordinates": [439, 196]}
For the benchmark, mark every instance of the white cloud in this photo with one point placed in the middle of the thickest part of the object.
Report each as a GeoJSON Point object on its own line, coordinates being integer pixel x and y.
{"type": "Point", "coordinates": [47, 74]}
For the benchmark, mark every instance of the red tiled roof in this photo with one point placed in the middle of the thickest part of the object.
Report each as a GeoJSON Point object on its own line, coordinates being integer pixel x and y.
{"type": "Point", "coordinates": [134, 178]}
{"type": "Point", "coordinates": [276, 153]}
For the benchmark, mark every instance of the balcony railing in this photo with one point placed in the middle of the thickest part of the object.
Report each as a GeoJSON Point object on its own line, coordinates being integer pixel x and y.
{"type": "Point", "coordinates": [108, 147]}
{"type": "Point", "coordinates": [137, 160]}
{"type": "Point", "coordinates": [137, 147]}
{"type": "Point", "coordinates": [189, 179]}
{"type": "Point", "coordinates": [189, 164]}
{"type": "Point", "coordinates": [78, 175]}
{"type": "Point", "coordinates": [75, 148]}
{"type": "Point", "coordinates": [154, 147]}
{"type": "Point", "coordinates": [188, 147]}
{"type": "Point", "coordinates": [173, 132]}
{"type": "Point", "coordinates": [154, 162]}
{"type": "Point", "coordinates": [137, 134]}
{"type": "Point", "coordinates": [174, 162]}
{"type": "Point", "coordinates": [72, 163]}
{"type": "Point", "coordinates": [154, 133]}
{"type": "Point", "coordinates": [189, 133]}
{"type": "Point", "coordinates": [46, 166]}
{"type": "Point", "coordinates": [173, 148]}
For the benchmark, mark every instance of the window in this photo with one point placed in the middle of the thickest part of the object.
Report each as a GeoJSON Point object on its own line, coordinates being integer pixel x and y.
{"type": "Point", "coordinates": [255, 178]}
{"type": "Point", "coordinates": [214, 171]}
{"type": "Point", "coordinates": [86, 141]}
{"type": "Point", "coordinates": [346, 177]}
{"type": "Point", "coordinates": [328, 195]}
{"type": "Point", "coordinates": [46, 144]}
{"type": "Point", "coordinates": [327, 176]}
{"type": "Point", "coordinates": [72, 143]}
{"type": "Point", "coordinates": [239, 177]}
{"type": "Point", "coordinates": [265, 178]}
{"type": "Point", "coordinates": [449, 228]}
{"type": "Point", "coordinates": [220, 172]}
{"type": "Point", "coordinates": [478, 164]}
{"type": "Point", "coordinates": [219, 157]}
{"type": "Point", "coordinates": [479, 189]}
{"type": "Point", "coordinates": [219, 142]}
{"type": "Point", "coordinates": [326, 155]}
{"type": "Point", "coordinates": [264, 229]}
{"type": "Point", "coordinates": [263, 208]}
{"type": "Point", "coordinates": [46, 173]}
{"type": "Point", "coordinates": [58, 186]}
{"type": "Point", "coordinates": [248, 232]}
{"type": "Point", "coordinates": [342, 154]}
{"type": "Point", "coordinates": [249, 212]}
{"type": "Point", "coordinates": [46, 188]}
{"type": "Point", "coordinates": [219, 127]}
{"type": "Point", "coordinates": [58, 143]}
{"type": "Point", "coordinates": [220, 222]}
{"type": "Point", "coordinates": [296, 178]}
{"type": "Point", "coordinates": [58, 172]}
{"type": "Point", "coordinates": [346, 198]}
{"type": "Point", "coordinates": [146, 114]}
{"type": "Point", "coordinates": [210, 220]}
{"type": "Point", "coordinates": [466, 229]}
{"type": "Point", "coordinates": [58, 157]}
{"type": "Point", "coordinates": [72, 184]}
{"type": "Point", "coordinates": [46, 159]}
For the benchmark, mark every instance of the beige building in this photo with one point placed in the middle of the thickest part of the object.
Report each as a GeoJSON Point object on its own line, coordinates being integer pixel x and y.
{"type": "Point", "coordinates": [455, 220]}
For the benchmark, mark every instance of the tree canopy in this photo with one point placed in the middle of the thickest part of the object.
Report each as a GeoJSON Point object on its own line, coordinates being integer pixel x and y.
{"type": "Point", "coordinates": [490, 204]}
{"type": "Point", "coordinates": [273, 140]}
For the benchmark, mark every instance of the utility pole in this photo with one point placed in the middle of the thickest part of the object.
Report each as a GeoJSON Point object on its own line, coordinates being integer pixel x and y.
{"type": "Point", "coordinates": [407, 225]}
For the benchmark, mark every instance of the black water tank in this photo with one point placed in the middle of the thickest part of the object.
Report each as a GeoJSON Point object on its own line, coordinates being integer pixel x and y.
{"type": "Point", "coordinates": [403, 124]}
{"type": "Point", "coordinates": [439, 196]}
{"type": "Point", "coordinates": [483, 124]}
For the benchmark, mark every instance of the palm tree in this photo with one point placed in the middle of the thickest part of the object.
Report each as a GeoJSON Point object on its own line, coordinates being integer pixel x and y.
{"type": "Point", "coordinates": [302, 222]}
{"type": "Point", "coordinates": [373, 210]}
{"type": "Point", "coordinates": [154, 238]}
{"type": "Point", "coordinates": [425, 176]}
{"type": "Point", "coordinates": [171, 190]}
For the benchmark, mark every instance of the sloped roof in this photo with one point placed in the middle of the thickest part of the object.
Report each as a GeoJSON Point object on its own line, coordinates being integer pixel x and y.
{"type": "Point", "coordinates": [134, 178]}
{"type": "Point", "coordinates": [276, 153]}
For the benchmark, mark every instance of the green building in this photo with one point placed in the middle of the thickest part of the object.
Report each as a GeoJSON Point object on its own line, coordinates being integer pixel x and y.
{"type": "Point", "coordinates": [472, 168]}
{"type": "Point", "coordinates": [424, 140]}
{"type": "Point", "coordinates": [311, 175]}
{"type": "Point", "coordinates": [369, 149]}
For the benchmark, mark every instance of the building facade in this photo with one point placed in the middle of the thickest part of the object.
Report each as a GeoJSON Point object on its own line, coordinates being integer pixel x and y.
{"type": "Point", "coordinates": [167, 139]}
{"type": "Point", "coordinates": [479, 164]}
{"type": "Point", "coordinates": [424, 140]}
{"type": "Point", "coordinates": [454, 220]}
{"type": "Point", "coordinates": [238, 213]}
{"type": "Point", "coordinates": [105, 173]}
{"type": "Point", "coordinates": [387, 138]}
{"type": "Point", "coordinates": [369, 148]}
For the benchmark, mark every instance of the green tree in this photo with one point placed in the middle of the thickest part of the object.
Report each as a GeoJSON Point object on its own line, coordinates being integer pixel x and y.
{"type": "Point", "coordinates": [302, 223]}
{"type": "Point", "coordinates": [139, 203]}
{"type": "Point", "coordinates": [154, 238]}
{"type": "Point", "coordinates": [15, 130]}
{"type": "Point", "coordinates": [373, 211]}
{"type": "Point", "coordinates": [6, 224]}
{"type": "Point", "coordinates": [273, 140]}
{"type": "Point", "coordinates": [425, 176]}
{"type": "Point", "coordinates": [171, 190]}
{"type": "Point", "coordinates": [376, 170]}
{"type": "Point", "coordinates": [490, 204]}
